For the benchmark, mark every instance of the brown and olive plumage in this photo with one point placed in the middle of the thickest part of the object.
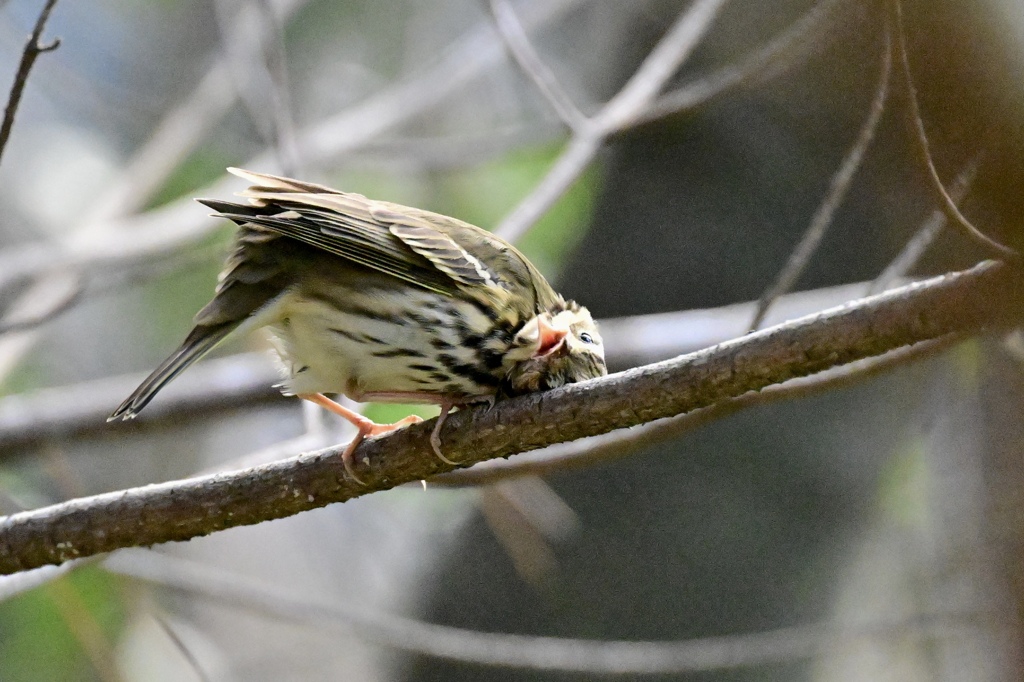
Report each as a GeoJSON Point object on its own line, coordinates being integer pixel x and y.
{"type": "Point", "coordinates": [385, 303]}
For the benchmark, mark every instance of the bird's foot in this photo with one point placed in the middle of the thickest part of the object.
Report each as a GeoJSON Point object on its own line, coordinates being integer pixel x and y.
{"type": "Point", "coordinates": [435, 435]}
{"type": "Point", "coordinates": [364, 427]}
{"type": "Point", "coordinates": [367, 427]}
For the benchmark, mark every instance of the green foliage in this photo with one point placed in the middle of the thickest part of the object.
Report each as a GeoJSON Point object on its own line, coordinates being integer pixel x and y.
{"type": "Point", "coordinates": [38, 639]}
{"type": "Point", "coordinates": [903, 484]}
{"type": "Point", "coordinates": [202, 167]}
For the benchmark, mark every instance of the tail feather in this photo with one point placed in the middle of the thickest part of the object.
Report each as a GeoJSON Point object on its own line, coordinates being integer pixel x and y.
{"type": "Point", "coordinates": [198, 343]}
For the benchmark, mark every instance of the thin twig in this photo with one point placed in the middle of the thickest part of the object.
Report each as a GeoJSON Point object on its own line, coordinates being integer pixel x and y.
{"type": "Point", "coordinates": [661, 64]}
{"type": "Point", "coordinates": [923, 238]}
{"type": "Point", "coordinates": [625, 108]}
{"type": "Point", "coordinates": [184, 125]}
{"type": "Point", "coordinates": [567, 169]}
{"type": "Point", "coordinates": [519, 46]}
{"type": "Point", "coordinates": [33, 48]}
{"type": "Point", "coordinates": [770, 60]}
{"type": "Point", "coordinates": [962, 302]}
{"type": "Point", "coordinates": [923, 149]}
{"type": "Point", "coordinates": [838, 188]}
{"type": "Point", "coordinates": [593, 657]}
{"type": "Point", "coordinates": [182, 648]}
{"type": "Point", "coordinates": [73, 411]}
{"type": "Point", "coordinates": [63, 293]}
{"type": "Point", "coordinates": [259, 75]}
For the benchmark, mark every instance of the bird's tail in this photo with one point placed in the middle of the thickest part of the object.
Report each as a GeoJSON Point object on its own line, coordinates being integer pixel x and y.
{"type": "Point", "coordinates": [199, 341]}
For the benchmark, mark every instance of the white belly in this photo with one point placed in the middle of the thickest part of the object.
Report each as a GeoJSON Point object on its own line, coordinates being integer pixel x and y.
{"type": "Point", "coordinates": [324, 350]}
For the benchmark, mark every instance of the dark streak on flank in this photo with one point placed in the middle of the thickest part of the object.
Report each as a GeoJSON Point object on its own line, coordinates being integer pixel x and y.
{"type": "Point", "coordinates": [398, 353]}
{"type": "Point", "coordinates": [422, 367]}
{"type": "Point", "coordinates": [357, 336]}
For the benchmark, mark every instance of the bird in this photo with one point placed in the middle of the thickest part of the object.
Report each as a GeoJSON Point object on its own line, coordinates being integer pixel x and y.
{"type": "Point", "coordinates": [381, 302]}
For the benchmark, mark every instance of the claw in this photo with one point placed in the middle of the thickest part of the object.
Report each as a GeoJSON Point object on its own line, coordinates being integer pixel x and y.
{"type": "Point", "coordinates": [364, 427]}
{"type": "Point", "coordinates": [435, 435]}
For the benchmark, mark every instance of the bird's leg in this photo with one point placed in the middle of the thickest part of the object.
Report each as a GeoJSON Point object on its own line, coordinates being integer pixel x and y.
{"type": "Point", "coordinates": [435, 435]}
{"type": "Point", "coordinates": [445, 403]}
{"type": "Point", "coordinates": [364, 427]}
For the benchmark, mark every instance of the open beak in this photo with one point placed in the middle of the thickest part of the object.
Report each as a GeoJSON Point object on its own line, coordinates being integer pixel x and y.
{"type": "Point", "coordinates": [550, 340]}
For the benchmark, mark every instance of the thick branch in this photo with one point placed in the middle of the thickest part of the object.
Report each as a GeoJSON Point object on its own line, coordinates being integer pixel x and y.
{"type": "Point", "coordinates": [986, 295]}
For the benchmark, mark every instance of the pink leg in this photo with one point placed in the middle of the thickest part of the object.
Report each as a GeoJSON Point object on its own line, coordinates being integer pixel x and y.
{"type": "Point", "coordinates": [365, 427]}
{"type": "Point", "coordinates": [446, 405]}
{"type": "Point", "coordinates": [435, 435]}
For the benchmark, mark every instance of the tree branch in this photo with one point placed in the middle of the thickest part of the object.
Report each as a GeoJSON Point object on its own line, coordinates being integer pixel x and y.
{"type": "Point", "coordinates": [246, 379]}
{"type": "Point", "coordinates": [33, 48]}
{"type": "Point", "coordinates": [988, 294]}
{"type": "Point", "coordinates": [586, 452]}
{"type": "Point", "coordinates": [838, 188]}
{"type": "Point", "coordinates": [621, 111]}
{"type": "Point", "coordinates": [527, 652]}
{"type": "Point", "coordinates": [923, 149]}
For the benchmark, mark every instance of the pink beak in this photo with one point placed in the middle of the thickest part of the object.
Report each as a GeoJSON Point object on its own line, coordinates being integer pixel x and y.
{"type": "Point", "coordinates": [549, 339]}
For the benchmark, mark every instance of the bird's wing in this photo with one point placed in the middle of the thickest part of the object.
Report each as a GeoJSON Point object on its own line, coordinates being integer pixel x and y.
{"type": "Point", "coordinates": [426, 249]}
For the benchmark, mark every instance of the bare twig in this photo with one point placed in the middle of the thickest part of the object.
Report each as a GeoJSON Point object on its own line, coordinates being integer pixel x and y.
{"type": "Point", "coordinates": [33, 48]}
{"type": "Point", "coordinates": [182, 648]}
{"type": "Point", "coordinates": [777, 55]}
{"type": "Point", "coordinates": [519, 46]}
{"type": "Point", "coordinates": [961, 302]}
{"type": "Point", "coordinates": [259, 75]}
{"type": "Point", "coordinates": [923, 150]}
{"type": "Point", "coordinates": [185, 125]}
{"type": "Point", "coordinates": [567, 169]}
{"type": "Point", "coordinates": [923, 238]}
{"type": "Point", "coordinates": [67, 412]}
{"type": "Point", "coordinates": [838, 188]}
{"type": "Point", "coordinates": [63, 293]}
{"type": "Point", "coordinates": [625, 108]}
{"type": "Point", "coordinates": [595, 657]}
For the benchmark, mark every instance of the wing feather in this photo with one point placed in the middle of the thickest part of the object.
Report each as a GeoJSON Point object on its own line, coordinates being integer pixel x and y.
{"type": "Point", "coordinates": [425, 249]}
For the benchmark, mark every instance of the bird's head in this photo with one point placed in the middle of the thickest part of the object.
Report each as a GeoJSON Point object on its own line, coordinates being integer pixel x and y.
{"type": "Point", "coordinates": [556, 347]}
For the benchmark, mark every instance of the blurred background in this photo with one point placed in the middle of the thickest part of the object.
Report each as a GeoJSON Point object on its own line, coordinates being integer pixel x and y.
{"type": "Point", "coordinates": [874, 530]}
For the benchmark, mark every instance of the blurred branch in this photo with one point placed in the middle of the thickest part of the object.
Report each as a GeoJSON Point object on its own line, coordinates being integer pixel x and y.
{"type": "Point", "coordinates": [259, 74]}
{"type": "Point", "coordinates": [104, 242]}
{"type": "Point", "coordinates": [182, 648]}
{"type": "Point", "coordinates": [33, 48]}
{"type": "Point", "coordinates": [54, 268]}
{"type": "Point", "coordinates": [635, 104]}
{"type": "Point", "coordinates": [777, 55]}
{"type": "Point", "coordinates": [518, 44]}
{"type": "Point", "coordinates": [922, 147]}
{"type": "Point", "coordinates": [917, 245]}
{"type": "Point", "coordinates": [837, 190]}
{"type": "Point", "coordinates": [625, 107]}
{"type": "Point", "coordinates": [613, 657]}
{"type": "Point", "coordinates": [963, 302]}
{"type": "Point", "coordinates": [71, 411]}
{"type": "Point", "coordinates": [183, 127]}
{"type": "Point", "coordinates": [243, 380]}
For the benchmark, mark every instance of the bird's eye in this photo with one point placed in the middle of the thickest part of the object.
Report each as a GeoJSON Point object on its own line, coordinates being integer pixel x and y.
{"type": "Point", "coordinates": [586, 338]}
